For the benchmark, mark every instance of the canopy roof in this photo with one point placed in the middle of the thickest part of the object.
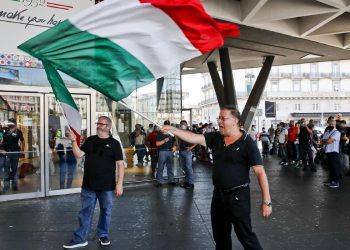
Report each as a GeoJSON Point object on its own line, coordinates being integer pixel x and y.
{"type": "Point", "coordinates": [294, 31]}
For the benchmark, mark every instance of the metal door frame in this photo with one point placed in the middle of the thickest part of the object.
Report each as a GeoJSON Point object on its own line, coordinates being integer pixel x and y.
{"type": "Point", "coordinates": [48, 191]}
{"type": "Point", "coordinates": [43, 93]}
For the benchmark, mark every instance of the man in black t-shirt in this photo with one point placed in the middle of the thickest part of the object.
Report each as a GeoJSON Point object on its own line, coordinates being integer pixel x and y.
{"type": "Point", "coordinates": [234, 153]}
{"type": "Point", "coordinates": [13, 144]}
{"type": "Point", "coordinates": [305, 145]}
{"type": "Point", "coordinates": [102, 153]}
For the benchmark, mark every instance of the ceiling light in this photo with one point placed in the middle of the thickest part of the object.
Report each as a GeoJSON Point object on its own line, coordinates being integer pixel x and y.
{"type": "Point", "coordinates": [310, 56]}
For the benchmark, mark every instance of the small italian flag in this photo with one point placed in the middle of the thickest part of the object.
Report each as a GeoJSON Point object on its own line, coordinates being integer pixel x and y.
{"type": "Point", "coordinates": [117, 46]}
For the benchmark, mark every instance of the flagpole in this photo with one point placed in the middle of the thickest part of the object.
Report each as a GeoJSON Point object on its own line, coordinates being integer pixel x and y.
{"type": "Point", "coordinates": [64, 115]}
{"type": "Point", "coordinates": [143, 116]}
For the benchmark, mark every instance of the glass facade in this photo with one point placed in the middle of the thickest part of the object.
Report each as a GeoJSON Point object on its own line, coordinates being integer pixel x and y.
{"type": "Point", "coordinates": [46, 165]}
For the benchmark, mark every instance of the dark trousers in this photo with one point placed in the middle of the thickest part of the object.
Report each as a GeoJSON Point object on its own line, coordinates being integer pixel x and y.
{"type": "Point", "coordinates": [291, 151]}
{"type": "Point", "coordinates": [306, 154]}
{"type": "Point", "coordinates": [11, 170]}
{"type": "Point", "coordinates": [333, 163]}
{"type": "Point", "coordinates": [265, 148]}
{"type": "Point", "coordinates": [229, 209]}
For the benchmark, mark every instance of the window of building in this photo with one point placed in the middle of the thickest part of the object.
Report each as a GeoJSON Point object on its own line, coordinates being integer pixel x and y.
{"type": "Point", "coordinates": [335, 69]}
{"type": "Point", "coordinates": [336, 86]}
{"type": "Point", "coordinates": [297, 70]}
{"type": "Point", "coordinates": [315, 107]}
{"type": "Point", "coordinates": [314, 86]}
{"type": "Point", "coordinates": [274, 71]}
{"type": "Point", "coordinates": [274, 86]}
{"type": "Point", "coordinates": [314, 70]}
{"type": "Point", "coordinates": [297, 107]}
{"type": "Point", "coordinates": [296, 86]}
{"type": "Point", "coordinates": [337, 107]}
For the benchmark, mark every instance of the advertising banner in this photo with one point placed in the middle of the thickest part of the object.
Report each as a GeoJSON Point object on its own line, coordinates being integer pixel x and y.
{"type": "Point", "coordinates": [21, 20]}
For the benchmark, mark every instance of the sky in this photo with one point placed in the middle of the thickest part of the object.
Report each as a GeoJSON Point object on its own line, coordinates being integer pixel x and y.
{"type": "Point", "coordinates": [190, 83]}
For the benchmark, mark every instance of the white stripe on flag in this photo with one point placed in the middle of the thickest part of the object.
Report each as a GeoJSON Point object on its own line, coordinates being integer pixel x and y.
{"type": "Point", "coordinates": [136, 27]}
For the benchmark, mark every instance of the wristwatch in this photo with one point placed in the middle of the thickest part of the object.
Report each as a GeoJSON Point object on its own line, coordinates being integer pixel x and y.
{"type": "Point", "coordinates": [268, 203]}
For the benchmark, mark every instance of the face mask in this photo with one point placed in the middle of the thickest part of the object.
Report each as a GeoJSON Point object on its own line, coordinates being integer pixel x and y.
{"type": "Point", "coordinates": [183, 127]}
{"type": "Point", "coordinates": [331, 127]}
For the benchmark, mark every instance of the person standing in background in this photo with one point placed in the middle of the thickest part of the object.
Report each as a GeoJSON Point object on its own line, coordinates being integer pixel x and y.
{"type": "Point", "coordinates": [185, 149]}
{"type": "Point", "coordinates": [13, 144]}
{"type": "Point", "coordinates": [166, 148]}
{"type": "Point", "coordinates": [330, 142]}
{"type": "Point", "coordinates": [264, 137]}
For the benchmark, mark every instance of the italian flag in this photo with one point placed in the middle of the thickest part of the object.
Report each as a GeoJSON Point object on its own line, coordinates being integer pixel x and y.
{"type": "Point", "coordinates": [67, 103]}
{"type": "Point", "coordinates": [117, 46]}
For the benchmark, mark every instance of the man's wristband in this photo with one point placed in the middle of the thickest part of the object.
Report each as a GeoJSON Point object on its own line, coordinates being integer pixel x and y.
{"type": "Point", "coordinates": [267, 203]}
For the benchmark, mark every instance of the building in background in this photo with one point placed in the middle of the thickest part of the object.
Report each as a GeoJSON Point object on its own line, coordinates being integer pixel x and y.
{"type": "Point", "coordinates": [313, 91]}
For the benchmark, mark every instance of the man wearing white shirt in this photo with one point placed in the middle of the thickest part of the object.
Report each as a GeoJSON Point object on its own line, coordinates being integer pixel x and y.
{"type": "Point", "coordinates": [330, 142]}
{"type": "Point", "coordinates": [253, 133]}
{"type": "Point", "coordinates": [282, 144]}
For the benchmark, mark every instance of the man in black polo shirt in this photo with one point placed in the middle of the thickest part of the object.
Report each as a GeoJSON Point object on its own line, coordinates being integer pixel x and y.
{"type": "Point", "coordinates": [234, 153]}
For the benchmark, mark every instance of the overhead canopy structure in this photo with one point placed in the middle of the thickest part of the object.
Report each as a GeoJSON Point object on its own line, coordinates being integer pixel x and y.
{"type": "Point", "coordinates": [293, 31]}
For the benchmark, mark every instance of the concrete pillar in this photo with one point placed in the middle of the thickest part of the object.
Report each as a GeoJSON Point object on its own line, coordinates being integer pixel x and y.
{"type": "Point", "coordinates": [256, 94]}
{"type": "Point", "coordinates": [218, 87]}
{"type": "Point", "coordinates": [227, 78]}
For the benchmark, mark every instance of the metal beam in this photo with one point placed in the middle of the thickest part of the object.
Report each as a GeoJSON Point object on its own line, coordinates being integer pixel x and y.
{"type": "Point", "coordinates": [160, 83]}
{"type": "Point", "coordinates": [227, 78]}
{"type": "Point", "coordinates": [217, 84]}
{"type": "Point", "coordinates": [256, 94]}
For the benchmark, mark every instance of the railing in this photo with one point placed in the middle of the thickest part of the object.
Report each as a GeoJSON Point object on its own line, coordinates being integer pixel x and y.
{"type": "Point", "coordinates": [309, 94]}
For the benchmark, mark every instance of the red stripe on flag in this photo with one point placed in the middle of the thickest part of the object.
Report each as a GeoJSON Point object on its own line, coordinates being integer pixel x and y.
{"type": "Point", "coordinates": [77, 136]}
{"type": "Point", "coordinates": [201, 30]}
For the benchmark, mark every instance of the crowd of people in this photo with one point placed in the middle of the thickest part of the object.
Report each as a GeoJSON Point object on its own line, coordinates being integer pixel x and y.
{"type": "Point", "coordinates": [153, 146]}
{"type": "Point", "coordinates": [300, 145]}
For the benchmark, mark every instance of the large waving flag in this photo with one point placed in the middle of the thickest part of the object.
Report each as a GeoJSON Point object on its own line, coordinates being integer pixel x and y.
{"type": "Point", "coordinates": [117, 46]}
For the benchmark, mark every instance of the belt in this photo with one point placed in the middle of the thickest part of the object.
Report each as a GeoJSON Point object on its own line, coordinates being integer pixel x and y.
{"type": "Point", "coordinates": [167, 149]}
{"type": "Point", "coordinates": [233, 189]}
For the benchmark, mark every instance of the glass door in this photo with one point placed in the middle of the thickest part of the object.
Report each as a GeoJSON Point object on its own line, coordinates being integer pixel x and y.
{"type": "Point", "coordinates": [21, 137]}
{"type": "Point", "coordinates": [64, 173]}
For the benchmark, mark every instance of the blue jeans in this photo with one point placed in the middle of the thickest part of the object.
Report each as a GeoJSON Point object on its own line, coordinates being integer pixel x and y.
{"type": "Point", "coordinates": [88, 203]}
{"type": "Point", "coordinates": [2, 165]}
{"type": "Point", "coordinates": [283, 152]}
{"type": "Point", "coordinates": [186, 163]}
{"type": "Point", "coordinates": [141, 152]}
{"type": "Point", "coordinates": [165, 157]}
{"type": "Point", "coordinates": [11, 170]}
{"type": "Point", "coordinates": [66, 168]}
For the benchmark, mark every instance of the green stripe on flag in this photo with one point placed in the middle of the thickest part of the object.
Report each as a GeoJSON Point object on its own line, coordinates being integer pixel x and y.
{"type": "Point", "coordinates": [59, 88]}
{"type": "Point", "coordinates": [95, 61]}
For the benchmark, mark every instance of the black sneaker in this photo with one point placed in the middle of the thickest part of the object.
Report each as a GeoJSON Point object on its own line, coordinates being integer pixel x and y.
{"type": "Point", "coordinates": [187, 185]}
{"type": "Point", "coordinates": [15, 188]}
{"type": "Point", "coordinates": [334, 185]}
{"type": "Point", "coordinates": [104, 241]}
{"type": "Point", "coordinates": [72, 244]}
